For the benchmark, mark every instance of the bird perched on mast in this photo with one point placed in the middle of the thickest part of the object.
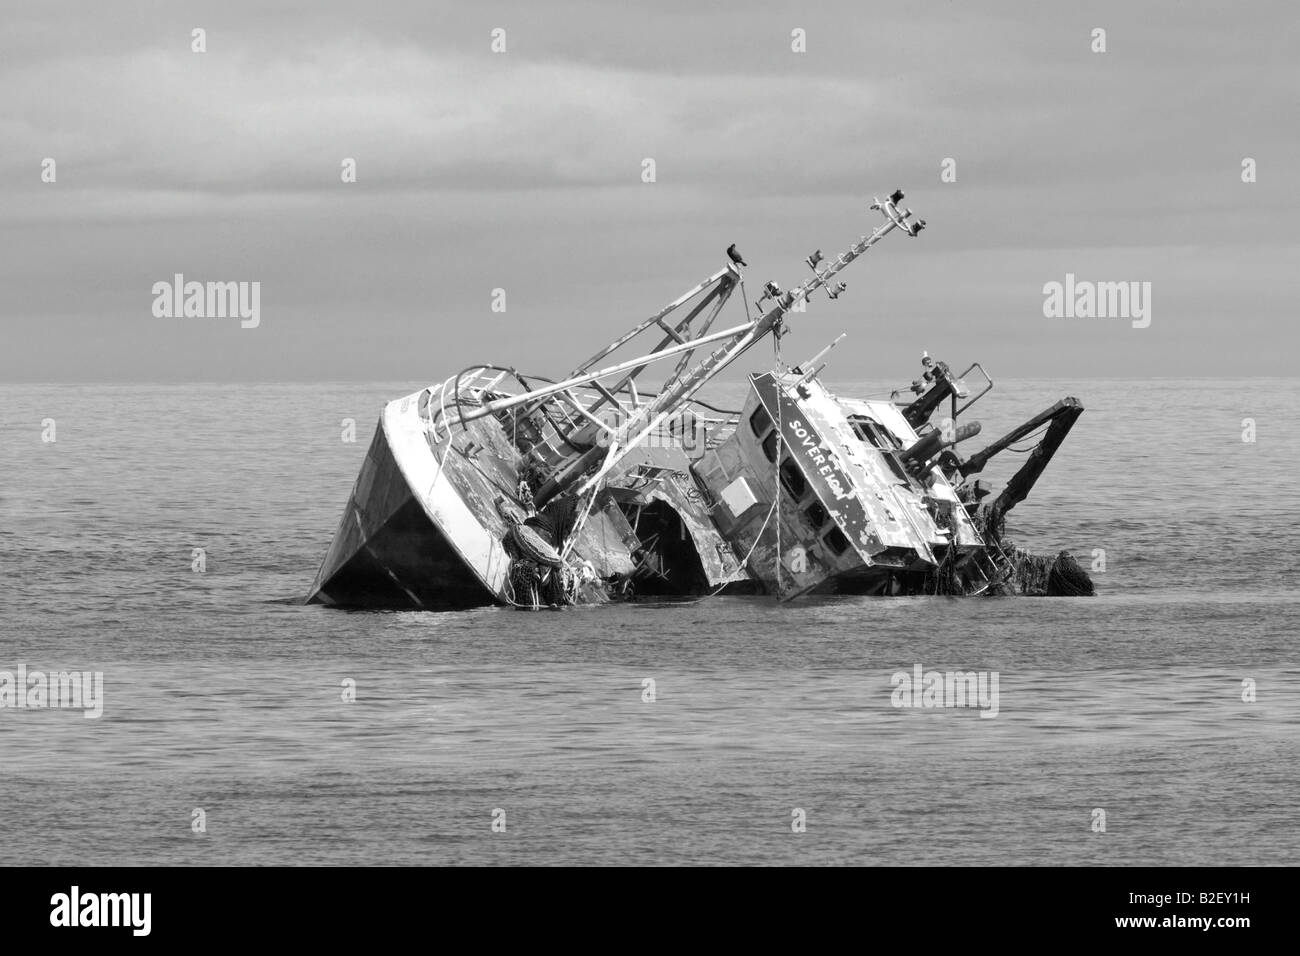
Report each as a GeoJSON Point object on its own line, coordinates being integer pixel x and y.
{"type": "Point", "coordinates": [735, 256]}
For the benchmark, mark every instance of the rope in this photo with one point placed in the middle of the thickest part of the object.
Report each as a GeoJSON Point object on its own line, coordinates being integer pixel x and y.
{"type": "Point", "coordinates": [780, 449]}
{"type": "Point", "coordinates": [1028, 448]}
{"type": "Point", "coordinates": [776, 500]}
{"type": "Point", "coordinates": [578, 526]}
{"type": "Point", "coordinates": [745, 561]}
{"type": "Point", "coordinates": [510, 595]}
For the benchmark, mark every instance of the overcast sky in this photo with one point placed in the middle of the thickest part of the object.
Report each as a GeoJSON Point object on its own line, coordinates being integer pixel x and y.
{"type": "Point", "coordinates": [478, 170]}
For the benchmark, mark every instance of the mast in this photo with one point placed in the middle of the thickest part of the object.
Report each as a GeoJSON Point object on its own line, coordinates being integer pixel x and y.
{"type": "Point", "coordinates": [582, 470]}
{"type": "Point", "coordinates": [686, 382]}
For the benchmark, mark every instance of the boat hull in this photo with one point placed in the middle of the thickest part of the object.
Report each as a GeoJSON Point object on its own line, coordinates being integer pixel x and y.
{"type": "Point", "coordinates": [389, 552]}
{"type": "Point", "coordinates": [421, 530]}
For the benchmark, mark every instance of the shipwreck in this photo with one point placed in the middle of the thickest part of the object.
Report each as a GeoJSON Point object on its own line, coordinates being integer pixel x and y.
{"type": "Point", "coordinates": [501, 487]}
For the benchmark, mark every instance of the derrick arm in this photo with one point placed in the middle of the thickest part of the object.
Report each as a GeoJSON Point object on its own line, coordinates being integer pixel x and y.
{"type": "Point", "coordinates": [1061, 418]}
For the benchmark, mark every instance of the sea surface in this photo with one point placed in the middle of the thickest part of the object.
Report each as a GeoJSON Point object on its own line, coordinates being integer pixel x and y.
{"type": "Point", "coordinates": [224, 694]}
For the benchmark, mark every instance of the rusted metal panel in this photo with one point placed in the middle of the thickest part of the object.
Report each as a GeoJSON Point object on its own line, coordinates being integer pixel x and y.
{"type": "Point", "coordinates": [664, 473]}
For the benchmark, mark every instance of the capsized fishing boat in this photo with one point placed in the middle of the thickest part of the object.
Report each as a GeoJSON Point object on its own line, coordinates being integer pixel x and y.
{"type": "Point", "coordinates": [500, 487]}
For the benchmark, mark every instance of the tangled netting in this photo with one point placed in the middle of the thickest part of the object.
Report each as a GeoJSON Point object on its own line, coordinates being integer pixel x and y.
{"type": "Point", "coordinates": [1039, 575]}
{"type": "Point", "coordinates": [1068, 579]}
{"type": "Point", "coordinates": [534, 585]}
{"type": "Point", "coordinates": [533, 541]}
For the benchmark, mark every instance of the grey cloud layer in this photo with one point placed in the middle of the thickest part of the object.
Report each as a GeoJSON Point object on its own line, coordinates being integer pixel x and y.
{"type": "Point", "coordinates": [522, 170]}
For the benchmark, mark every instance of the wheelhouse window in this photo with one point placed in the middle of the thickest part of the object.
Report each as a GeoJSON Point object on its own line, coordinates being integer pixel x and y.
{"type": "Point", "coordinates": [792, 479]}
{"type": "Point", "coordinates": [769, 446]}
{"type": "Point", "coordinates": [816, 514]}
{"type": "Point", "coordinates": [883, 440]}
{"type": "Point", "coordinates": [874, 434]}
{"type": "Point", "coordinates": [836, 541]}
{"type": "Point", "coordinates": [760, 421]}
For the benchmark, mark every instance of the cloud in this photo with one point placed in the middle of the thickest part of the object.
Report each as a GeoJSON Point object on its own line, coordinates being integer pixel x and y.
{"type": "Point", "coordinates": [478, 170]}
{"type": "Point", "coordinates": [169, 121]}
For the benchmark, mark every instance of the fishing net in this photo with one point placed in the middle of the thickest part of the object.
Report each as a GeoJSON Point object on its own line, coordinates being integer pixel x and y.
{"type": "Point", "coordinates": [1068, 579]}
{"type": "Point", "coordinates": [1058, 576]}
{"type": "Point", "coordinates": [561, 586]}
{"type": "Point", "coordinates": [1030, 572]}
{"type": "Point", "coordinates": [525, 581]}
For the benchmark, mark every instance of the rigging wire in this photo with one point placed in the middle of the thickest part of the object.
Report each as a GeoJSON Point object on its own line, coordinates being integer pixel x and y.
{"type": "Point", "coordinates": [1029, 448]}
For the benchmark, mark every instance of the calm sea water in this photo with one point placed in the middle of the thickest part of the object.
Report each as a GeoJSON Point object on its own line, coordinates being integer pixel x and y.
{"type": "Point", "coordinates": [223, 693]}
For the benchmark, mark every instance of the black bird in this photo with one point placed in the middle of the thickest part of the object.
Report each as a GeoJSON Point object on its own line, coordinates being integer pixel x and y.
{"type": "Point", "coordinates": [735, 256]}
